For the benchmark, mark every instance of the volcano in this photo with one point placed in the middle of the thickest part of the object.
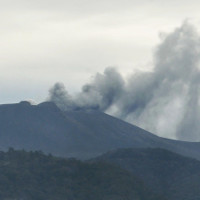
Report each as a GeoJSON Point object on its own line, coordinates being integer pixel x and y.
{"type": "Point", "coordinates": [81, 134]}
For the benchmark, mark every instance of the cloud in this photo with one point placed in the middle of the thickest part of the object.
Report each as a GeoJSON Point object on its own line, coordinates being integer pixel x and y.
{"type": "Point", "coordinates": [164, 101]}
{"type": "Point", "coordinates": [100, 94]}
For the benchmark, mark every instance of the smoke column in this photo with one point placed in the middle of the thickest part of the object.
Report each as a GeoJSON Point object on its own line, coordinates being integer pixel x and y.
{"type": "Point", "coordinates": [164, 101]}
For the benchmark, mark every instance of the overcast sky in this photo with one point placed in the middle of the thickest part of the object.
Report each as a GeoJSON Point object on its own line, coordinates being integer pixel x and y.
{"type": "Point", "coordinates": [46, 41]}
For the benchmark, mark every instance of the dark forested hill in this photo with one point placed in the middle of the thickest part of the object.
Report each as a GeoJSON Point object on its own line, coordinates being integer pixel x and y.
{"type": "Point", "coordinates": [34, 176]}
{"type": "Point", "coordinates": [80, 134]}
{"type": "Point", "coordinates": [175, 176]}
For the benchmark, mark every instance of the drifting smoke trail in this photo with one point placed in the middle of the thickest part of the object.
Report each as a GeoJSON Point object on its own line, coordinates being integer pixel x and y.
{"type": "Point", "coordinates": [165, 101]}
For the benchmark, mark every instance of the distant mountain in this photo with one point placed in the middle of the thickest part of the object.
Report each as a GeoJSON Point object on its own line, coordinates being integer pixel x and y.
{"type": "Point", "coordinates": [165, 172]}
{"type": "Point", "coordinates": [34, 176]}
{"type": "Point", "coordinates": [80, 134]}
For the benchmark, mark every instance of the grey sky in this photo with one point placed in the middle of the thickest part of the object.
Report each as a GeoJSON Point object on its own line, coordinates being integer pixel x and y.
{"type": "Point", "coordinates": [42, 42]}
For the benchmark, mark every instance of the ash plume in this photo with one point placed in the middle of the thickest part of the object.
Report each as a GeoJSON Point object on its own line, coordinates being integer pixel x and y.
{"type": "Point", "coordinates": [164, 101]}
{"type": "Point", "coordinates": [100, 94]}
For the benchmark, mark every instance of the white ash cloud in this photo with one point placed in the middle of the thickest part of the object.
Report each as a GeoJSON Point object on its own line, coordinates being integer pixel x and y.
{"type": "Point", "coordinates": [164, 101]}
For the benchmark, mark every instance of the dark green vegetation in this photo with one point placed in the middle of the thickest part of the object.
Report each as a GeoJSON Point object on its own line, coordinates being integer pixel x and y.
{"type": "Point", "coordinates": [174, 176]}
{"type": "Point", "coordinates": [82, 134]}
{"type": "Point", "coordinates": [34, 176]}
{"type": "Point", "coordinates": [124, 174]}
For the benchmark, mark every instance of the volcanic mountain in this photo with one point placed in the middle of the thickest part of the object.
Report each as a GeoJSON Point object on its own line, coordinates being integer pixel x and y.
{"type": "Point", "coordinates": [82, 134]}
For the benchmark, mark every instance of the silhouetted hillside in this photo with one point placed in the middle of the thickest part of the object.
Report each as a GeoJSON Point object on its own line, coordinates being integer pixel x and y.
{"type": "Point", "coordinates": [174, 176]}
{"type": "Point", "coordinates": [34, 176]}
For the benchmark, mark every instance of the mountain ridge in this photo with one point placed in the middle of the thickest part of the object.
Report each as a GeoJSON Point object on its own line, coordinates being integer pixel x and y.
{"type": "Point", "coordinates": [81, 134]}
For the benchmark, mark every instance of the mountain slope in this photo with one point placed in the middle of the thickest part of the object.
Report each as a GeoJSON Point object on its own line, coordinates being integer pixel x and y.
{"type": "Point", "coordinates": [31, 176]}
{"type": "Point", "coordinates": [81, 134]}
{"type": "Point", "coordinates": [114, 133]}
{"type": "Point", "coordinates": [165, 172]}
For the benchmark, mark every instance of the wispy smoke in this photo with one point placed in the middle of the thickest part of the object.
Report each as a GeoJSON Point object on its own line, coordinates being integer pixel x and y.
{"type": "Point", "coordinates": [164, 101]}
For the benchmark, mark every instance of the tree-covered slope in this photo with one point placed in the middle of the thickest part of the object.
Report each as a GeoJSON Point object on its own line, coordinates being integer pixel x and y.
{"type": "Point", "coordinates": [165, 172]}
{"type": "Point", "coordinates": [35, 176]}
